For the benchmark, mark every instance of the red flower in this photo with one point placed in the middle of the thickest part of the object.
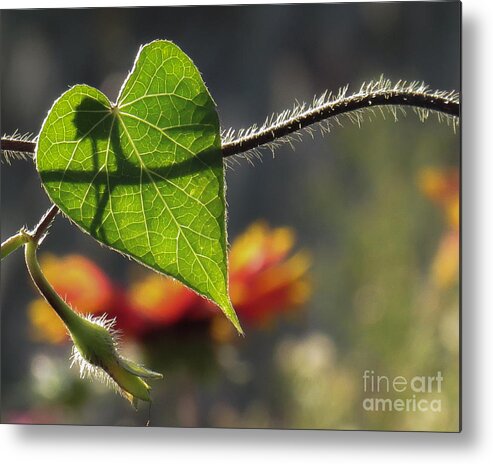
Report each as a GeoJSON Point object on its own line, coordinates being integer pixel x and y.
{"type": "Point", "coordinates": [156, 301]}
{"type": "Point", "coordinates": [265, 280]}
{"type": "Point", "coordinates": [442, 187]}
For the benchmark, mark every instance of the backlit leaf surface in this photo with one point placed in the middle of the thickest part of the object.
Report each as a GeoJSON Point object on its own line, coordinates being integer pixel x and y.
{"type": "Point", "coordinates": [144, 176]}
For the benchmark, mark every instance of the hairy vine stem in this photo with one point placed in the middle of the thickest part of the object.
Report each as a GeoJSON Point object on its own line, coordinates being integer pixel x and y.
{"type": "Point", "coordinates": [277, 129]}
{"type": "Point", "coordinates": [398, 96]}
{"type": "Point", "coordinates": [20, 146]}
{"type": "Point", "coordinates": [381, 93]}
{"type": "Point", "coordinates": [49, 294]}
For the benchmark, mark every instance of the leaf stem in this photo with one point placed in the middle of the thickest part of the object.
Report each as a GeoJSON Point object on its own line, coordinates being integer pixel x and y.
{"type": "Point", "coordinates": [44, 224]}
{"type": "Point", "coordinates": [23, 236]}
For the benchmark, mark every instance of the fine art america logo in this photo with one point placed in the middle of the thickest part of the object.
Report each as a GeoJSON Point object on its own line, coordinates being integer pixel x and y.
{"type": "Point", "coordinates": [402, 394]}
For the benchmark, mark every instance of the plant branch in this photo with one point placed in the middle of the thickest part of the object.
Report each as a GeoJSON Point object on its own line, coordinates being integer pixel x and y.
{"type": "Point", "coordinates": [20, 146]}
{"type": "Point", "coordinates": [65, 313]}
{"type": "Point", "coordinates": [381, 93]}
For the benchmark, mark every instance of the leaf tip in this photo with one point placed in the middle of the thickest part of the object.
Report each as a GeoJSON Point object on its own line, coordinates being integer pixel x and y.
{"type": "Point", "coordinates": [232, 316]}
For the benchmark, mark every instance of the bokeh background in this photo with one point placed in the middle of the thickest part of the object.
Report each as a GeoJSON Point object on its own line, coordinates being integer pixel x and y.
{"type": "Point", "coordinates": [346, 250]}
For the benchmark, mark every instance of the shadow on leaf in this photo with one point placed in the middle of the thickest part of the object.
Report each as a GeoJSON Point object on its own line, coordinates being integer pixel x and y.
{"type": "Point", "coordinates": [95, 122]}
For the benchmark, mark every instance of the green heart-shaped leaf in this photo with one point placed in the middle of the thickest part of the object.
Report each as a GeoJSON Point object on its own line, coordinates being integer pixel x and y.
{"type": "Point", "coordinates": [145, 176]}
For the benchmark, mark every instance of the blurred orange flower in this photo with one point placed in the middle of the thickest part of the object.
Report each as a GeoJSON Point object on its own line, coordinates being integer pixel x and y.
{"type": "Point", "coordinates": [442, 186]}
{"type": "Point", "coordinates": [445, 266]}
{"type": "Point", "coordinates": [156, 301]}
{"type": "Point", "coordinates": [265, 279]}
